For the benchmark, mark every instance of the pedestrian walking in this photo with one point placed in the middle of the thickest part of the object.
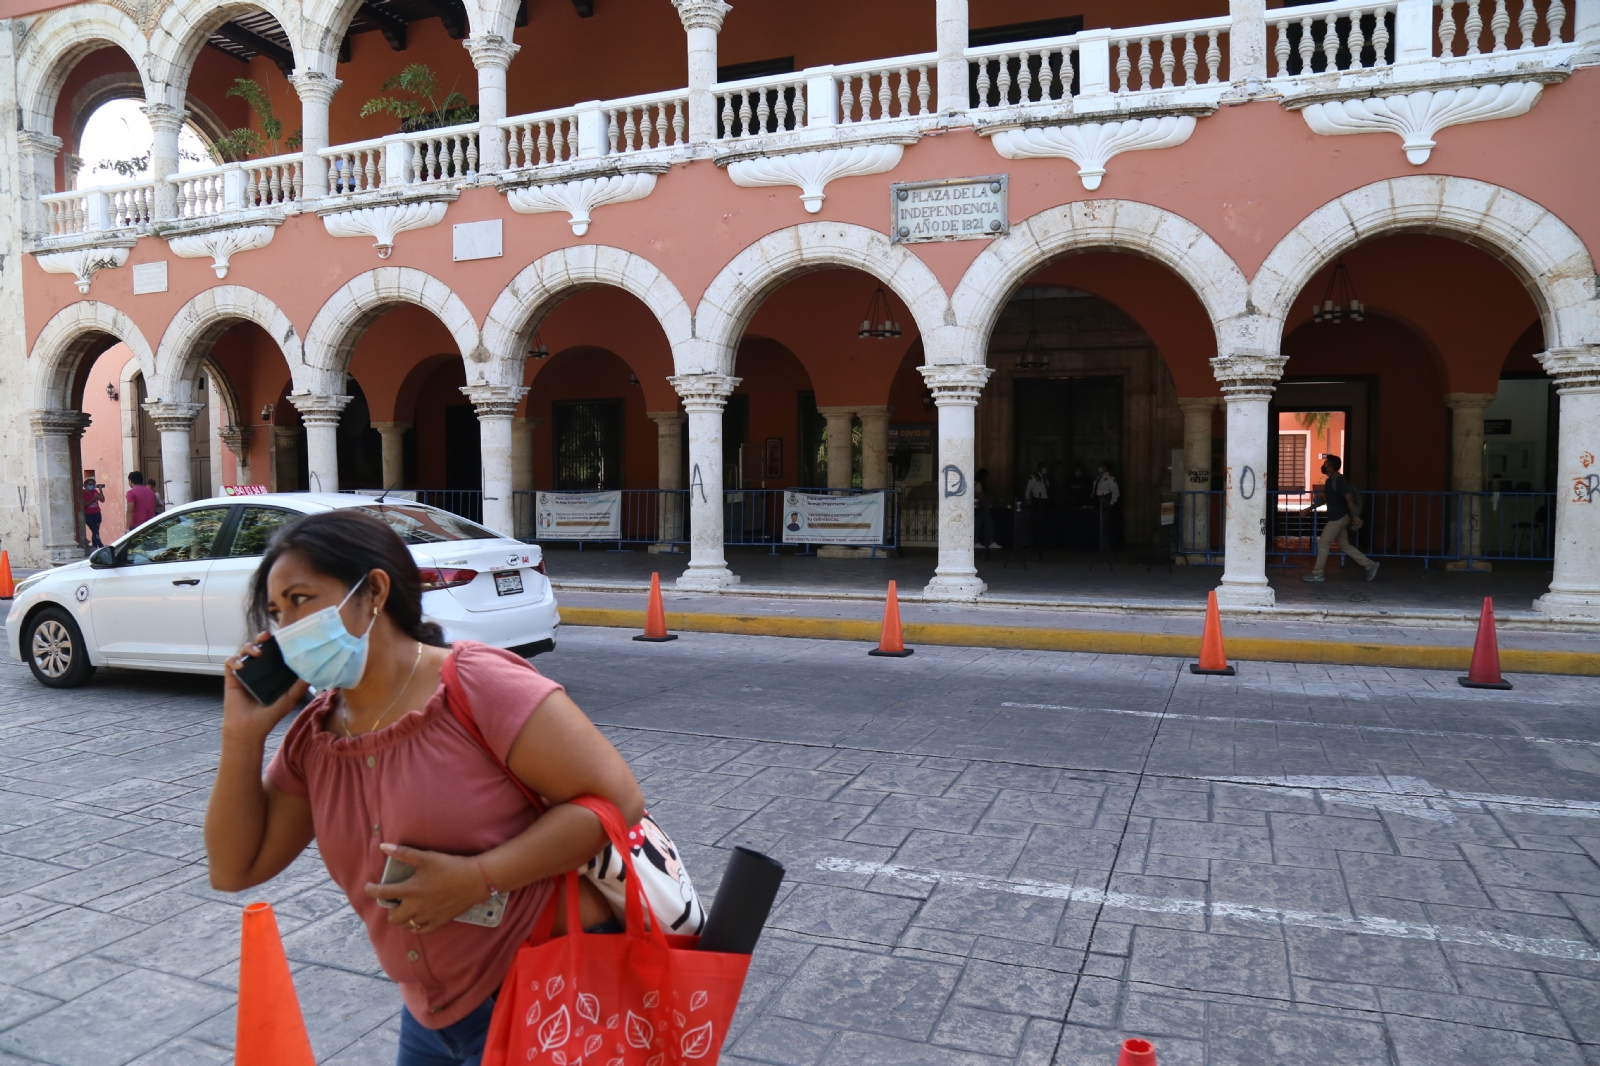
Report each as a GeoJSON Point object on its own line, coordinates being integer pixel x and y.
{"type": "Point", "coordinates": [94, 495]}
{"type": "Point", "coordinates": [1106, 494]}
{"type": "Point", "coordinates": [1343, 514]}
{"type": "Point", "coordinates": [142, 503]}
{"type": "Point", "coordinates": [379, 771]}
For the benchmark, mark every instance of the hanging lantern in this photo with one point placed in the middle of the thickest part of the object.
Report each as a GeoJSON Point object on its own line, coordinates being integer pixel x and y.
{"type": "Point", "coordinates": [1340, 299]}
{"type": "Point", "coordinates": [1033, 356]}
{"type": "Point", "coordinates": [878, 324]}
{"type": "Point", "coordinates": [539, 350]}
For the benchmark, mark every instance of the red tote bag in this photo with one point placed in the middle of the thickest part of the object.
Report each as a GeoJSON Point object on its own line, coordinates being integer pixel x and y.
{"type": "Point", "coordinates": [638, 998]}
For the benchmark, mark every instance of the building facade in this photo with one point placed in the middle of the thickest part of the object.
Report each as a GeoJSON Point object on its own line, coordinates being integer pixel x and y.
{"type": "Point", "coordinates": [704, 252]}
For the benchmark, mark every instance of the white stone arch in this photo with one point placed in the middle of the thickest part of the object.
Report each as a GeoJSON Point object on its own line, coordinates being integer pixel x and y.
{"type": "Point", "coordinates": [1542, 251]}
{"type": "Point", "coordinates": [74, 332]}
{"type": "Point", "coordinates": [358, 303]}
{"type": "Point", "coordinates": [53, 46]}
{"type": "Point", "coordinates": [493, 16]}
{"type": "Point", "coordinates": [186, 343]}
{"type": "Point", "coordinates": [1140, 229]}
{"type": "Point", "coordinates": [750, 277]}
{"type": "Point", "coordinates": [181, 32]}
{"type": "Point", "coordinates": [523, 304]}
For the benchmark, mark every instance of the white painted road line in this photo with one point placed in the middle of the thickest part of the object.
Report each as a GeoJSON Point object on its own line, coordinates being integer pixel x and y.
{"type": "Point", "coordinates": [1306, 725]}
{"type": "Point", "coordinates": [1575, 950]}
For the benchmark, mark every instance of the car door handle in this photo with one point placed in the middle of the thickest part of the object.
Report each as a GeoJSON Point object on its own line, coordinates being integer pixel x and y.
{"type": "Point", "coordinates": [187, 581]}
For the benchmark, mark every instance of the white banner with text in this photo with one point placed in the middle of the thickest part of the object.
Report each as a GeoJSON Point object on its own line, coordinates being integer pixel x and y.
{"type": "Point", "coordinates": [579, 515]}
{"type": "Point", "coordinates": [811, 519]}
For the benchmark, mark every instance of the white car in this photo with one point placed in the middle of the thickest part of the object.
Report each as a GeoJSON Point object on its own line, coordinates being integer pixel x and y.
{"type": "Point", "coordinates": [171, 595]}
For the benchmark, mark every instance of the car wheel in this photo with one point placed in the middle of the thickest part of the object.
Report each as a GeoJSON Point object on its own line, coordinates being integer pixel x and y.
{"type": "Point", "coordinates": [54, 647]}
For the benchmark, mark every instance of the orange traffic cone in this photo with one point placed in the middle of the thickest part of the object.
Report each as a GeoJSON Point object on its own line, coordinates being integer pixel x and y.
{"type": "Point", "coordinates": [891, 643]}
{"type": "Point", "coordinates": [655, 616]}
{"type": "Point", "coordinates": [8, 588]}
{"type": "Point", "coordinates": [1136, 1052]}
{"type": "Point", "coordinates": [271, 1031]}
{"type": "Point", "coordinates": [1485, 669]}
{"type": "Point", "coordinates": [1213, 660]}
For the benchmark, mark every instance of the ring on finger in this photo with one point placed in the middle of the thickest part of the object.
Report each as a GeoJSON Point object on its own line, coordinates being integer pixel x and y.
{"type": "Point", "coordinates": [413, 925]}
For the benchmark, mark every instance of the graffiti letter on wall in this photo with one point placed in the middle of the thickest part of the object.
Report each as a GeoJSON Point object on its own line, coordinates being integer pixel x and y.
{"type": "Point", "coordinates": [1585, 489]}
{"type": "Point", "coordinates": [696, 482]}
{"type": "Point", "coordinates": [955, 482]}
{"type": "Point", "coordinates": [1247, 483]}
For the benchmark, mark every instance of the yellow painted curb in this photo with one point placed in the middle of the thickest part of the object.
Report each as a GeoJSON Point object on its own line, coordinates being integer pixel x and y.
{"type": "Point", "coordinates": [1431, 657]}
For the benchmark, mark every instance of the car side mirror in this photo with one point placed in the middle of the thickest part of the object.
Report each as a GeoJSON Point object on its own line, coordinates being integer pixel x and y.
{"type": "Point", "coordinates": [103, 558]}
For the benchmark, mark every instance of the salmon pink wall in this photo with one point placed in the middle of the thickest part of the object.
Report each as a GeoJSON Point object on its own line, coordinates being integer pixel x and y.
{"type": "Point", "coordinates": [588, 373]}
{"type": "Point", "coordinates": [398, 341]}
{"type": "Point", "coordinates": [618, 322]}
{"type": "Point", "coordinates": [773, 377]}
{"type": "Point", "coordinates": [101, 448]}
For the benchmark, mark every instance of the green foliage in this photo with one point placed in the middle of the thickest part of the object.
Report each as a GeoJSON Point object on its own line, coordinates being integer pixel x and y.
{"type": "Point", "coordinates": [139, 165]}
{"type": "Point", "coordinates": [1316, 421]}
{"type": "Point", "coordinates": [244, 142]}
{"type": "Point", "coordinates": [422, 108]}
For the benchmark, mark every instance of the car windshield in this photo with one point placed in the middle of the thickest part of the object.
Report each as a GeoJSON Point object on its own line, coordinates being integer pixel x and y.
{"type": "Point", "coordinates": [418, 523]}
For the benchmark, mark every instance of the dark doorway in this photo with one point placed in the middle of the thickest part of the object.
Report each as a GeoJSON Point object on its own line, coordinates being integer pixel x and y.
{"type": "Point", "coordinates": [1354, 397]}
{"type": "Point", "coordinates": [812, 428]}
{"type": "Point", "coordinates": [463, 455]}
{"type": "Point", "coordinates": [735, 436]}
{"type": "Point", "coordinates": [1070, 425]}
{"type": "Point", "coordinates": [588, 445]}
{"type": "Point", "coordinates": [360, 446]}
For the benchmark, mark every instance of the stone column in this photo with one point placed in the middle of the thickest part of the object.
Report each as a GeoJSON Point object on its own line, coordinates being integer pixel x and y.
{"type": "Point", "coordinates": [956, 389]}
{"type": "Point", "coordinates": [496, 406]}
{"type": "Point", "coordinates": [669, 475]}
{"type": "Point", "coordinates": [1194, 512]}
{"type": "Point", "coordinates": [316, 93]}
{"type": "Point", "coordinates": [237, 439]}
{"type": "Point", "coordinates": [702, 21]}
{"type": "Point", "coordinates": [950, 31]}
{"type": "Point", "coordinates": [175, 421]}
{"type": "Point", "coordinates": [1247, 45]}
{"type": "Point", "coordinates": [36, 171]}
{"type": "Point", "coordinates": [704, 396]}
{"type": "Point", "coordinates": [1247, 381]}
{"type": "Point", "coordinates": [166, 122]}
{"type": "Point", "coordinates": [1466, 473]}
{"type": "Point", "coordinates": [394, 453]}
{"type": "Point", "coordinates": [841, 453]}
{"type": "Point", "coordinates": [522, 453]}
{"type": "Point", "coordinates": [321, 413]}
{"type": "Point", "coordinates": [55, 437]}
{"type": "Point", "coordinates": [491, 54]}
{"type": "Point", "coordinates": [874, 446]}
{"type": "Point", "coordinates": [1575, 585]}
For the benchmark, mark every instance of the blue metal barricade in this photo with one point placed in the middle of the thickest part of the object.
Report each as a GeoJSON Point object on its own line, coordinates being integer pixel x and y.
{"type": "Point", "coordinates": [647, 516]}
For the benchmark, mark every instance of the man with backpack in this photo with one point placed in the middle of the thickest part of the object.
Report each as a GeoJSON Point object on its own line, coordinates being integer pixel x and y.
{"type": "Point", "coordinates": [1342, 516]}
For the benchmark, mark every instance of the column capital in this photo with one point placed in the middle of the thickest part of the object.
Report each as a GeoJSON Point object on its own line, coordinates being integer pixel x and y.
{"type": "Point", "coordinates": [1574, 368]}
{"type": "Point", "coordinates": [319, 409]}
{"type": "Point", "coordinates": [956, 383]}
{"type": "Point", "coordinates": [237, 439]}
{"type": "Point", "coordinates": [313, 86]}
{"type": "Point", "coordinates": [667, 418]}
{"type": "Point", "coordinates": [164, 117]}
{"type": "Point", "coordinates": [704, 393]}
{"type": "Point", "coordinates": [876, 411]}
{"type": "Point", "coordinates": [702, 14]}
{"type": "Point", "coordinates": [55, 422]}
{"type": "Point", "coordinates": [837, 412]}
{"type": "Point", "coordinates": [1199, 403]}
{"type": "Point", "coordinates": [39, 143]}
{"type": "Point", "coordinates": [391, 427]}
{"type": "Point", "coordinates": [170, 416]}
{"type": "Point", "coordinates": [490, 50]}
{"type": "Point", "coordinates": [1248, 374]}
{"type": "Point", "coordinates": [495, 401]}
{"type": "Point", "coordinates": [1468, 401]}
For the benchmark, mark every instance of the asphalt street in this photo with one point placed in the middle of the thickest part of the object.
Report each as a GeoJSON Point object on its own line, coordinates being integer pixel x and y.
{"type": "Point", "coordinates": [993, 857]}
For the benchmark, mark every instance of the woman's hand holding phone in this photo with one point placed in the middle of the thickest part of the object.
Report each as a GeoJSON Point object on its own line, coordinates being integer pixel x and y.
{"type": "Point", "coordinates": [240, 709]}
{"type": "Point", "coordinates": [443, 887]}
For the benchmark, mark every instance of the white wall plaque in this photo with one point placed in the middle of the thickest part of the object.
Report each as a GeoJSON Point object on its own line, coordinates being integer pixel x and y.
{"type": "Point", "coordinates": [478, 240]}
{"type": "Point", "coordinates": [960, 209]}
{"type": "Point", "coordinates": [150, 277]}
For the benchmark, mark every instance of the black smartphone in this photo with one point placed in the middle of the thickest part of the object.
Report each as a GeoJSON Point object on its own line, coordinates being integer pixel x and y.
{"type": "Point", "coordinates": [266, 676]}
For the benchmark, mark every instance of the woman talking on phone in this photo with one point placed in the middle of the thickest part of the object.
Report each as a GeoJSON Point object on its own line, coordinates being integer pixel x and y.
{"type": "Point", "coordinates": [379, 772]}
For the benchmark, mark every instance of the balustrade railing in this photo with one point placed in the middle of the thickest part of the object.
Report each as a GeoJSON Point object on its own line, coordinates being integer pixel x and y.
{"type": "Point", "coordinates": [613, 128]}
{"type": "Point", "coordinates": [886, 89]}
{"type": "Point", "coordinates": [1171, 56]}
{"type": "Point", "coordinates": [876, 91]}
{"type": "Point", "coordinates": [643, 123]}
{"type": "Point", "coordinates": [541, 139]}
{"type": "Point", "coordinates": [1487, 27]}
{"type": "Point", "coordinates": [758, 106]}
{"type": "Point", "coordinates": [355, 168]}
{"type": "Point", "coordinates": [128, 206]}
{"type": "Point", "coordinates": [1331, 37]}
{"type": "Point", "coordinates": [271, 182]}
{"type": "Point", "coordinates": [447, 154]}
{"type": "Point", "coordinates": [1033, 72]}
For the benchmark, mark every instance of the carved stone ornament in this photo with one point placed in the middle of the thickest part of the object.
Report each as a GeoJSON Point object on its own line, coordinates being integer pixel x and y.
{"type": "Point", "coordinates": [1092, 144]}
{"type": "Point", "coordinates": [221, 245]}
{"type": "Point", "coordinates": [1248, 374]}
{"type": "Point", "coordinates": [384, 222]}
{"type": "Point", "coordinates": [702, 14]}
{"type": "Point", "coordinates": [704, 392]}
{"type": "Point", "coordinates": [173, 416]}
{"type": "Point", "coordinates": [956, 383]}
{"type": "Point", "coordinates": [56, 422]}
{"type": "Point", "coordinates": [319, 409]}
{"type": "Point", "coordinates": [82, 263]}
{"type": "Point", "coordinates": [810, 172]}
{"type": "Point", "coordinates": [1573, 368]}
{"type": "Point", "coordinates": [237, 439]}
{"type": "Point", "coordinates": [495, 401]}
{"type": "Point", "coordinates": [580, 198]}
{"type": "Point", "coordinates": [1418, 116]}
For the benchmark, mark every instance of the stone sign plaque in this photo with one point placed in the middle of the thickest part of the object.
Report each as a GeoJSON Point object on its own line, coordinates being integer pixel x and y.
{"type": "Point", "coordinates": [959, 209]}
{"type": "Point", "coordinates": [150, 277]}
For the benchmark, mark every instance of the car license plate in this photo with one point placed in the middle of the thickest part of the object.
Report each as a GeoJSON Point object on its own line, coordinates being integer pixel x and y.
{"type": "Point", "coordinates": [509, 584]}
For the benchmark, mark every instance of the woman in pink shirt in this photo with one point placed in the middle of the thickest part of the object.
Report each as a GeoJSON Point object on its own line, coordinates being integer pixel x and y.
{"type": "Point", "coordinates": [377, 767]}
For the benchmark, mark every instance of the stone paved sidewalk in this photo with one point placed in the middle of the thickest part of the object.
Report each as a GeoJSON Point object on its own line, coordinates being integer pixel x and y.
{"type": "Point", "coordinates": [993, 856]}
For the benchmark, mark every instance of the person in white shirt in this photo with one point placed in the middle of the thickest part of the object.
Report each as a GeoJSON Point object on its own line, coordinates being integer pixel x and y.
{"type": "Point", "coordinates": [1106, 486]}
{"type": "Point", "coordinates": [1038, 487]}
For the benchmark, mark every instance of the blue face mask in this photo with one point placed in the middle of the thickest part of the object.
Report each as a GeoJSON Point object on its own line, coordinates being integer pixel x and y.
{"type": "Point", "coordinates": [322, 651]}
